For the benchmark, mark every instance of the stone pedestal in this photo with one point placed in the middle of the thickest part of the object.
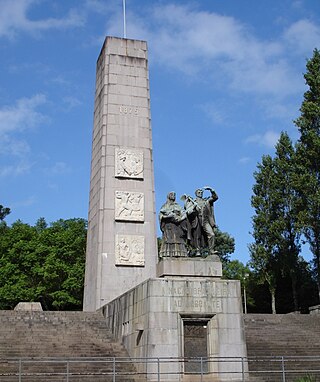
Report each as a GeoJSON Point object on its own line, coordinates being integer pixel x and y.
{"type": "Point", "coordinates": [189, 267]}
{"type": "Point", "coordinates": [153, 318]}
{"type": "Point", "coordinates": [33, 306]}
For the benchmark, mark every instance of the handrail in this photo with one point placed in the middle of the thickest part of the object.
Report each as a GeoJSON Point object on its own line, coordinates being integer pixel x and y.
{"type": "Point", "coordinates": [282, 368]}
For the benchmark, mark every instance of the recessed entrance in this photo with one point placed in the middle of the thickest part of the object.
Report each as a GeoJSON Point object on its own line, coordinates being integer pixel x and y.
{"type": "Point", "coordinates": [195, 346]}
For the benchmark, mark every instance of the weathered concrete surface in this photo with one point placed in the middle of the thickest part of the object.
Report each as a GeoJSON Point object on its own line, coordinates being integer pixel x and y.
{"type": "Point", "coordinates": [149, 319]}
{"type": "Point", "coordinates": [33, 306]}
{"type": "Point", "coordinates": [189, 267]}
{"type": "Point", "coordinates": [122, 204]}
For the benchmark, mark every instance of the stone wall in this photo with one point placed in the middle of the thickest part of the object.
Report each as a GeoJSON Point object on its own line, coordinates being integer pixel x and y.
{"type": "Point", "coordinates": [149, 320]}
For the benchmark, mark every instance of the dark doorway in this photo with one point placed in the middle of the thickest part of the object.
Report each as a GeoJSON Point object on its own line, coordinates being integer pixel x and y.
{"type": "Point", "coordinates": [195, 346]}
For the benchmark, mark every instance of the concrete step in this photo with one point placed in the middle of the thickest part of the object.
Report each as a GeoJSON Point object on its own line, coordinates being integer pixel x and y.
{"type": "Point", "coordinates": [59, 334]}
{"type": "Point", "coordinates": [290, 335]}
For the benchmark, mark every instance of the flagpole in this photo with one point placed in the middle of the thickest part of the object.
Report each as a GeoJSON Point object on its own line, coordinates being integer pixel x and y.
{"type": "Point", "coordinates": [124, 19]}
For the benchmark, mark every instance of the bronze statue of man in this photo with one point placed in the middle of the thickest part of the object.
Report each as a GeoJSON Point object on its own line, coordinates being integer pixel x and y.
{"type": "Point", "coordinates": [201, 220]}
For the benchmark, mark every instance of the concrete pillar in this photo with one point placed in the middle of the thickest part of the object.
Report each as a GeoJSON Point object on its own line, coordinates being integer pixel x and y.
{"type": "Point", "coordinates": [122, 246]}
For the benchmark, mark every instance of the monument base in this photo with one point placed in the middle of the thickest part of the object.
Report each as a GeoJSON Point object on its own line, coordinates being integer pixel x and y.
{"type": "Point", "coordinates": [194, 319]}
{"type": "Point", "coordinates": [33, 306]}
{"type": "Point", "coordinates": [194, 267]}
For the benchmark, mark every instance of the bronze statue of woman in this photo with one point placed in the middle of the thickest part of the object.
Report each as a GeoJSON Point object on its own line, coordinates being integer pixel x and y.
{"type": "Point", "coordinates": [174, 228]}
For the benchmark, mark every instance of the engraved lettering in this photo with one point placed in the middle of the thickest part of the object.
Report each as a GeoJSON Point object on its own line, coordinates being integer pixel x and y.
{"type": "Point", "coordinates": [128, 110]}
{"type": "Point", "coordinates": [177, 303]}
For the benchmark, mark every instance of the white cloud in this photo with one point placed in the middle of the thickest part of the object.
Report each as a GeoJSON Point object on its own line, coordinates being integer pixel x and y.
{"type": "Point", "coordinates": [58, 168]}
{"type": "Point", "coordinates": [244, 160]}
{"type": "Point", "coordinates": [22, 115]}
{"type": "Point", "coordinates": [14, 18]}
{"type": "Point", "coordinates": [268, 139]}
{"type": "Point", "coordinates": [12, 146]}
{"type": "Point", "coordinates": [215, 112]}
{"type": "Point", "coordinates": [202, 43]}
{"type": "Point", "coordinates": [304, 36]}
{"type": "Point", "coordinates": [15, 170]}
{"type": "Point", "coordinates": [23, 203]}
{"type": "Point", "coordinates": [71, 102]}
{"type": "Point", "coordinates": [102, 6]}
{"type": "Point", "coordinates": [14, 121]}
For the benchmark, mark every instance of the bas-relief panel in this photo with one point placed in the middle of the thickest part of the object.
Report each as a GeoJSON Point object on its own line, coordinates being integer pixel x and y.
{"type": "Point", "coordinates": [129, 206]}
{"type": "Point", "coordinates": [129, 250]}
{"type": "Point", "coordinates": [128, 163]}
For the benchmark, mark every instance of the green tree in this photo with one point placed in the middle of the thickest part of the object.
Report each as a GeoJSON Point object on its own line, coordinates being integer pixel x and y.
{"type": "Point", "coordinates": [224, 245]}
{"type": "Point", "coordinates": [63, 247]}
{"type": "Point", "coordinates": [18, 265]}
{"type": "Point", "coordinates": [236, 270]}
{"type": "Point", "coordinates": [288, 203]}
{"type": "Point", "coordinates": [308, 160]}
{"type": "Point", "coordinates": [264, 251]}
{"type": "Point", "coordinates": [43, 263]}
{"type": "Point", "coordinates": [4, 211]}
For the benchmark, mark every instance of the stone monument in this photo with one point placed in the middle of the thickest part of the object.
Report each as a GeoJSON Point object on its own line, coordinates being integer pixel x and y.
{"type": "Point", "coordinates": [178, 307]}
{"type": "Point", "coordinates": [121, 249]}
{"type": "Point", "coordinates": [188, 317]}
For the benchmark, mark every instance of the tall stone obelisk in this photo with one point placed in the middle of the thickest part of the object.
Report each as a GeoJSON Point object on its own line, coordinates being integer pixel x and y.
{"type": "Point", "coordinates": [121, 242]}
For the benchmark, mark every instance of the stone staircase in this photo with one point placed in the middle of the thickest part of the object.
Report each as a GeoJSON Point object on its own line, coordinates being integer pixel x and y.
{"type": "Point", "coordinates": [293, 336]}
{"type": "Point", "coordinates": [47, 339]}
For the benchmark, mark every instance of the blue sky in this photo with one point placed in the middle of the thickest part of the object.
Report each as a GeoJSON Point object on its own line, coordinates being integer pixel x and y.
{"type": "Point", "coordinates": [225, 77]}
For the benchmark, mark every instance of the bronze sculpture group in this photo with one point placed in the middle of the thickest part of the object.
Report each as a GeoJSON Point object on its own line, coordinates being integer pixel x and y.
{"type": "Point", "coordinates": [188, 230]}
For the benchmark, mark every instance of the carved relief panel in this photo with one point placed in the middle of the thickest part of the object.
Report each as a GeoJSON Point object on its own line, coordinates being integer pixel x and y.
{"type": "Point", "coordinates": [128, 163]}
{"type": "Point", "coordinates": [129, 206]}
{"type": "Point", "coordinates": [129, 250]}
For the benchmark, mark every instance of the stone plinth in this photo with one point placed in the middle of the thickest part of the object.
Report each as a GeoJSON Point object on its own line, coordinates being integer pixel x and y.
{"type": "Point", "coordinates": [189, 267]}
{"type": "Point", "coordinates": [151, 318]}
{"type": "Point", "coordinates": [34, 306]}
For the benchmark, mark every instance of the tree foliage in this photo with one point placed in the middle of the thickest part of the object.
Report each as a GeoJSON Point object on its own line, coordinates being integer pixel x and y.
{"type": "Point", "coordinates": [308, 160]}
{"type": "Point", "coordinates": [224, 245]}
{"type": "Point", "coordinates": [276, 227]}
{"type": "Point", "coordinates": [288, 206]}
{"type": "Point", "coordinates": [286, 200]}
{"type": "Point", "coordinates": [264, 251]}
{"type": "Point", "coordinates": [4, 211]}
{"type": "Point", "coordinates": [43, 263]}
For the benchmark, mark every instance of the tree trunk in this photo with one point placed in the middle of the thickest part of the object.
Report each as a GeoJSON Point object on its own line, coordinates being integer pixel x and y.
{"type": "Point", "coordinates": [273, 301]}
{"type": "Point", "coordinates": [294, 291]}
{"type": "Point", "coordinates": [318, 284]}
{"type": "Point", "coordinates": [317, 266]}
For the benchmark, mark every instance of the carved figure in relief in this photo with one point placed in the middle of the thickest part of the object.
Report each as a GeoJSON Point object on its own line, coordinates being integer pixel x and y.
{"type": "Point", "coordinates": [135, 203]}
{"type": "Point", "coordinates": [124, 250]}
{"type": "Point", "coordinates": [129, 205]}
{"type": "Point", "coordinates": [201, 220]}
{"type": "Point", "coordinates": [174, 228]}
{"type": "Point", "coordinates": [129, 250]}
{"type": "Point", "coordinates": [124, 206]}
{"type": "Point", "coordinates": [129, 163]}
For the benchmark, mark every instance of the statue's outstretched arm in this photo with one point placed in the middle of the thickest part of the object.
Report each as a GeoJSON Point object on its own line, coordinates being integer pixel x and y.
{"type": "Point", "coordinates": [214, 195]}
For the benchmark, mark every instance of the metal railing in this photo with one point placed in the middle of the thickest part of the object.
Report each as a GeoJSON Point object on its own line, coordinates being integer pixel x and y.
{"type": "Point", "coordinates": [113, 369]}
